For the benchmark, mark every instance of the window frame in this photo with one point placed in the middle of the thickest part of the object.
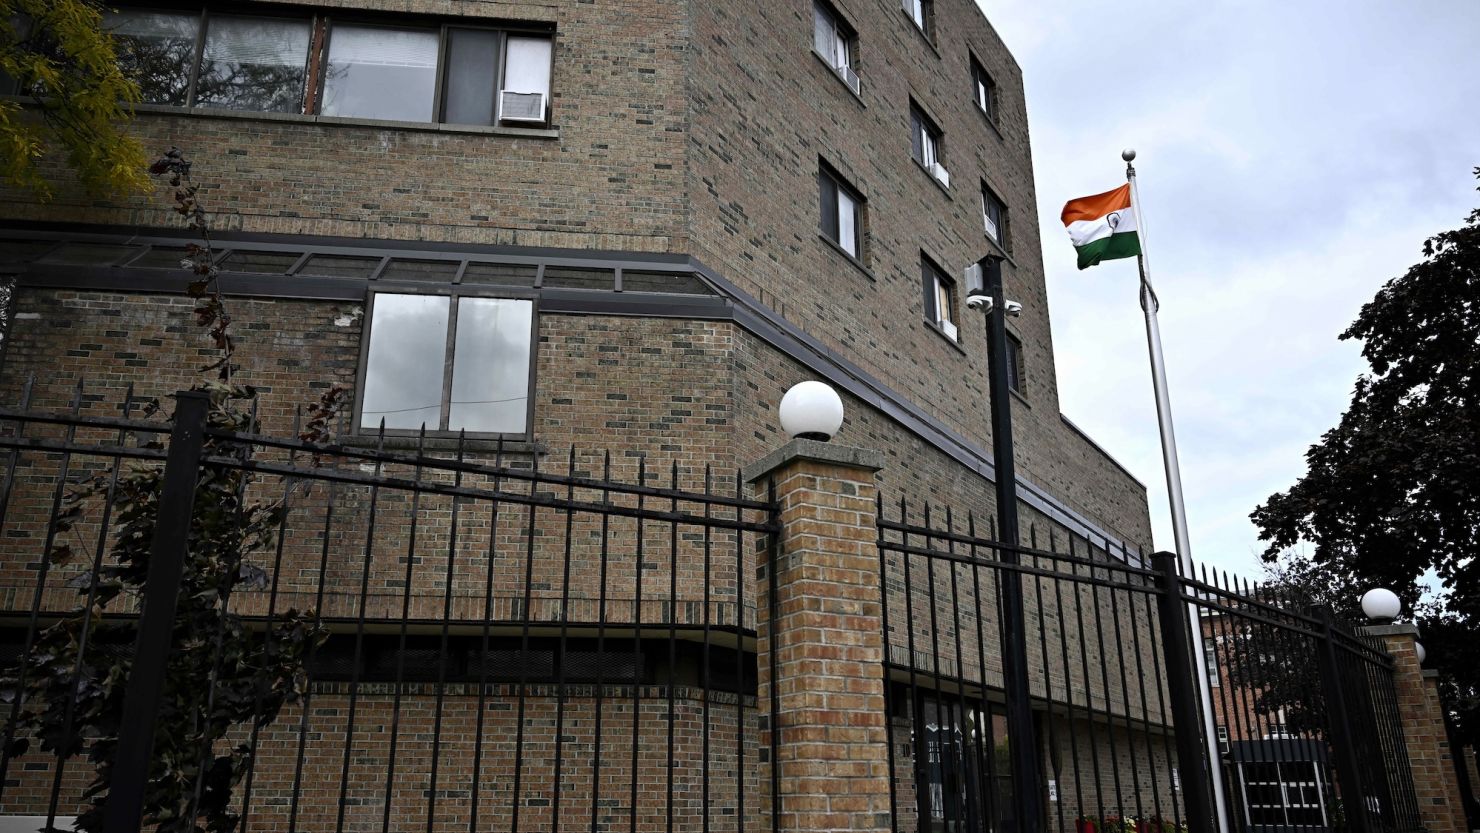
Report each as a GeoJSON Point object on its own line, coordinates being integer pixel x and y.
{"type": "Point", "coordinates": [1210, 662]}
{"type": "Point", "coordinates": [932, 280]}
{"type": "Point", "coordinates": [984, 748]}
{"type": "Point", "coordinates": [923, 128]}
{"type": "Point", "coordinates": [982, 81]}
{"type": "Point", "coordinates": [1015, 375]}
{"type": "Point", "coordinates": [1004, 236]}
{"type": "Point", "coordinates": [828, 174]}
{"type": "Point", "coordinates": [321, 22]}
{"type": "Point", "coordinates": [453, 294]}
{"type": "Point", "coordinates": [926, 22]}
{"type": "Point", "coordinates": [843, 32]}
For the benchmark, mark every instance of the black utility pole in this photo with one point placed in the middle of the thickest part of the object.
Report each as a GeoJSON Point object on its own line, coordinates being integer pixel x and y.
{"type": "Point", "coordinates": [1023, 746]}
{"type": "Point", "coordinates": [1182, 691]}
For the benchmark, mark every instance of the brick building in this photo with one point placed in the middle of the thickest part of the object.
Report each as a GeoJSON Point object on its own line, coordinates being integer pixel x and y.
{"type": "Point", "coordinates": [656, 216]}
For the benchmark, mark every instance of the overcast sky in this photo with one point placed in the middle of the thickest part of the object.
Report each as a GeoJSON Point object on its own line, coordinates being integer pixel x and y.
{"type": "Point", "coordinates": [1294, 154]}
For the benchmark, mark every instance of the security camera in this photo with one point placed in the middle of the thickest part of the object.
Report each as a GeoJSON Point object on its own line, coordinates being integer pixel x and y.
{"type": "Point", "coordinates": [1014, 309]}
{"type": "Point", "coordinates": [979, 302]}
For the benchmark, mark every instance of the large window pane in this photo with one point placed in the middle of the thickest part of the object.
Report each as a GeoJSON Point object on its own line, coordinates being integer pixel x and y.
{"type": "Point", "coordinates": [157, 49]}
{"type": "Point", "coordinates": [490, 370]}
{"type": "Point", "coordinates": [823, 31]}
{"type": "Point", "coordinates": [381, 73]}
{"type": "Point", "coordinates": [403, 371]}
{"type": "Point", "coordinates": [253, 64]}
{"type": "Point", "coordinates": [847, 223]}
{"type": "Point", "coordinates": [528, 67]}
{"type": "Point", "coordinates": [472, 58]}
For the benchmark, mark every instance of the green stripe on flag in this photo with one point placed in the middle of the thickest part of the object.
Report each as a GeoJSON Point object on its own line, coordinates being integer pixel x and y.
{"type": "Point", "coordinates": [1125, 244]}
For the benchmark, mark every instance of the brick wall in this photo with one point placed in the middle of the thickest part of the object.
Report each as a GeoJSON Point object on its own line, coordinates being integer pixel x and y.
{"type": "Point", "coordinates": [753, 162]}
{"type": "Point", "coordinates": [613, 179]}
{"type": "Point", "coordinates": [364, 794]}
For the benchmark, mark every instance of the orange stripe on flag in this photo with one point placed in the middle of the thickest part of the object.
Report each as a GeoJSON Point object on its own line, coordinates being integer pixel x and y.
{"type": "Point", "coordinates": [1097, 206]}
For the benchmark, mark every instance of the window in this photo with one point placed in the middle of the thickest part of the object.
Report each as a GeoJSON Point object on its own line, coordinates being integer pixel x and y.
{"type": "Point", "coordinates": [1210, 659]}
{"type": "Point", "coordinates": [1014, 364]}
{"type": "Point", "coordinates": [1222, 732]}
{"type": "Point", "coordinates": [963, 755]}
{"type": "Point", "coordinates": [940, 298]}
{"type": "Point", "coordinates": [842, 212]}
{"type": "Point", "coordinates": [834, 41]}
{"type": "Point", "coordinates": [984, 89]}
{"type": "Point", "coordinates": [449, 362]}
{"type": "Point", "coordinates": [1284, 793]}
{"type": "Point", "coordinates": [426, 73]}
{"type": "Point", "coordinates": [994, 217]}
{"type": "Point", "coordinates": [925, 145]}
{"type": "Point", "coordinates": [921, 12]}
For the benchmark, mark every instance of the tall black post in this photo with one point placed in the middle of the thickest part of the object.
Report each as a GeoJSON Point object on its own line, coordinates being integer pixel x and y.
{"type": "Point", "coordinates": [1182, 690]}
{"type": "Point", "coordinates": [1343, 740]}
{"type": "Point", "coordinates": [125, 809]}
{"type": "Point", "coordinates": [1023, 746]}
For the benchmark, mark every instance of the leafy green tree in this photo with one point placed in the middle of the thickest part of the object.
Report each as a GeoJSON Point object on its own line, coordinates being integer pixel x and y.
{"type": "Point", "coordinates": [1391, 495]}
{"type": "Point", "coordinates": [58, 52]}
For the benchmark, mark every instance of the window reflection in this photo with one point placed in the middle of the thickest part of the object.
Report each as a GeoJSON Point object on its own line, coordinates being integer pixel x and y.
{"type": "Point", "coordinates": [253, 64]}
{"type": "Point", "coordinates": [381, 73]}
{"type": "Point", "coordinates": [156, 49]}
{"type": "Point", "coordinates": [407, 382]}
{"type": "Point", "coordinates": [490, 371]}
{"type": "Point", "coordinates": [403, 373]}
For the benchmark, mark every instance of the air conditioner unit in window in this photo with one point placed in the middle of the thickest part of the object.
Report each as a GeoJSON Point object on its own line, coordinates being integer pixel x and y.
{"type": "Point", "coordinates": [513, 106]}
{"type": "Point", "coordinates": [938, 171]}
{"type": "Point", "coordinates": [850, 78]}
{"type": "Point", "coordinates": [948, 328]}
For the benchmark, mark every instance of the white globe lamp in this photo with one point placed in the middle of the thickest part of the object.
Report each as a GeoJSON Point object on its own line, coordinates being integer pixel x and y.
{"type": "Point", "coordinates": [811, 411]}
{"type": "Point", "coordinates": [1422, 654]}
{"type": "Point", "coordinates": [1381, 605]}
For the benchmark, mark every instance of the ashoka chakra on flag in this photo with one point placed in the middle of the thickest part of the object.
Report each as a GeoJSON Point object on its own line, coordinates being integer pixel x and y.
{"type": "Point", "coordinates": [1102, 227]}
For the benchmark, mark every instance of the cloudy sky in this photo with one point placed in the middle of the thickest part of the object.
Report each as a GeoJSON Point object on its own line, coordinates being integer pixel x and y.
{"type": "Point", "coordinates": [1293, 157]}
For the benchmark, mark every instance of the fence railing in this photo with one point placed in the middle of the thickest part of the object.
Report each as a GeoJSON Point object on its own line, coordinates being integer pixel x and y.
{"type": "Point", "coordinates": [508, 643]}
{"type": "Point", "coordinates": [1304, 707]}
{"type": "Point", "coordinates": [505, 639]}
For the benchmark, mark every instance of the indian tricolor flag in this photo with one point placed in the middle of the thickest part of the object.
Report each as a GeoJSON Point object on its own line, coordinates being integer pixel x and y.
{"type": "Point", "coordinates": [1103, 227]}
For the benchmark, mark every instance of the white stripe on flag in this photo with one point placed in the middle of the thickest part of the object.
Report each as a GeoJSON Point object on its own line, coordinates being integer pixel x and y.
{"type": "Point", "coordinates": [1088, 231]}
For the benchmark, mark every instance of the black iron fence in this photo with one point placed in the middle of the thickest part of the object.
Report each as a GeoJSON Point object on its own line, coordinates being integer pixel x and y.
{"type": "Point", "coordinates": [1303, 712]}
{"type": "Point", "coordinates": [496, 645]}
{"type": "Point", "coordinates": [492, 641]}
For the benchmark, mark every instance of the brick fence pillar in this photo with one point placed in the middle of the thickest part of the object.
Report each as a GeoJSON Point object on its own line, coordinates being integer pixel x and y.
{"type": "Point", "coordinates": [826, 643]}
{"type": "Point", "coordinates": [1434, 779]}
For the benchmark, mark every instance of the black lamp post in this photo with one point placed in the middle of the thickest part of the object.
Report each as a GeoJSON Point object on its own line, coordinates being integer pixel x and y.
{"type": "Point", "coordinates": [984, 292]}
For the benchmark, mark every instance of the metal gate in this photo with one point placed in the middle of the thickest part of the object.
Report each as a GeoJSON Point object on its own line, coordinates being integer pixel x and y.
{"type": "Point", "coordinates": [1304, 707]}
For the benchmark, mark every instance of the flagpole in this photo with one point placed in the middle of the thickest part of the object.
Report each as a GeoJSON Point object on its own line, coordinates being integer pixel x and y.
{"type": "Point", "coordinates": [1150, 305]}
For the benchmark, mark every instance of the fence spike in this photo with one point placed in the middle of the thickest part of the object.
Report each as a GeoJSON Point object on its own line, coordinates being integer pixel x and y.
{"type": "Point", "coordinates": [26, 390]}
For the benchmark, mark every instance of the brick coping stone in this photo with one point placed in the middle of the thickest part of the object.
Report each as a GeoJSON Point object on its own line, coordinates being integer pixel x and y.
{"type": "Point", "coordinates": [815, 451]}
